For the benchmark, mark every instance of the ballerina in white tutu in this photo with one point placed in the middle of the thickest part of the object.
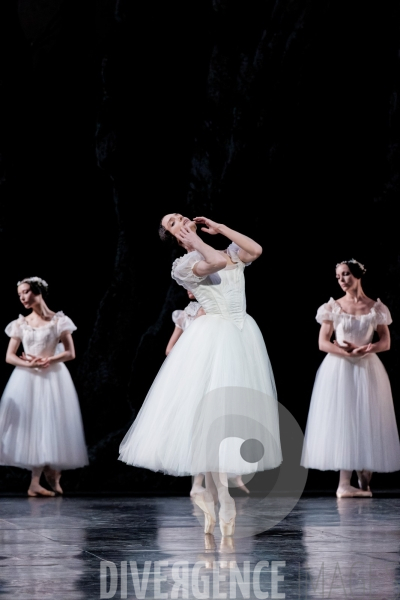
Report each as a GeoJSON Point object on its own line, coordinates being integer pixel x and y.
{"type": "Point", "coordinates": [182, 320]}
{"type": "Point", "coordinates": [40, 420]}
{"type": "Point", "coordinates": [216, 390]}
{"type": "Point", "coordinates": [351, 423]}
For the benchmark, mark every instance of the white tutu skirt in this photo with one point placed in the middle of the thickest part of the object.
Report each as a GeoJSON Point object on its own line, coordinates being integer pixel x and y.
{"type": "Point", "coordinates": [40, 420]}
{"type": "Point", "coordinates": [351, 424]}
{"type": "Point", "coordinates": [214, 392]}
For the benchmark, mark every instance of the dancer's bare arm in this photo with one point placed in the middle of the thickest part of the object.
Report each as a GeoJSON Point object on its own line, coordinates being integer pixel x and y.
{"type": "Point", "coordinates": [249, 249]}
{"type": "Point", "coordinates": [69, 349]}
{"type": "Point", "coordinates": [213, 260]}
{"type": "Point", "coordinates": [324, 340]}
{"type": "Point", "coordinates": [173, 339]}
{"type": "Point", "coordinates": [30, 362]}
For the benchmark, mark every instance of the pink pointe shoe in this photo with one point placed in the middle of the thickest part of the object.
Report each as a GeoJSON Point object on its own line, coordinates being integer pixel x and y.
{"type": "Point", "coordinates": [205, 501]}
{"type": "Point", "coordinates": [227, 528]}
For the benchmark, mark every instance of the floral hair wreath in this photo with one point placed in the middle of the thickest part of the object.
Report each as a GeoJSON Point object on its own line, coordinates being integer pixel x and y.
{"type": "Point", "coordinates": [37, 280]}
{"type": "Point", "coordinates": [354, 261]}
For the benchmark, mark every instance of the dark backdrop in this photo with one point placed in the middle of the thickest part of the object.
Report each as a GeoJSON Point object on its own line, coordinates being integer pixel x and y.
{"type": "Point", "coordinates": [279, 118]}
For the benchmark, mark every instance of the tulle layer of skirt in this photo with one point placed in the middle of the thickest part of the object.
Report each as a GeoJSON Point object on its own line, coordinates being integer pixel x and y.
{"type": "Point", "coordinates": [351, 422]}
{"type": "Point", "coordinates": [40, 420]}
{"type": "Point", "coordinates": [212, 406]}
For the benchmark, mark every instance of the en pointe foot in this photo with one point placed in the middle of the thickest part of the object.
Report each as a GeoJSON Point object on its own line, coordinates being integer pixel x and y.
{"type": "Point", "coordinates": [38, 490]}
{"type": "Point", "coordinates": [364, 478]}
{"type": "Point", "coordinates": [53, 479]}
{"type": "Point", "coordinates": [205, 501]}
{"type": "Point", "coordinates": [348, 491]}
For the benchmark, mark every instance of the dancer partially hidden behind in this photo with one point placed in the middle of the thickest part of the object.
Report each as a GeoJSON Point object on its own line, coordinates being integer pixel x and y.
{"type": "Point", "coordinates": [40, 420]}
{"type": "Point", "coordinates": [351, 424]}
{"type": "Point", "coordinates": [182, 320]}
{"type": "Point", "coordinates": [215, 391]}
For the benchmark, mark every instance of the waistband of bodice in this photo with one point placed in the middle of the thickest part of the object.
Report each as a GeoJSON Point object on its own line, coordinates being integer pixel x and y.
{"type": "Point", "coordinates": [238, 322]}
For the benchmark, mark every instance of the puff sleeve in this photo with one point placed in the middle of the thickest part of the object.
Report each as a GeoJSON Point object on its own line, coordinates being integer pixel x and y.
{"type": "Point", "coordinates": [182, 269]}
{"type": "Point", "coordinates": [325, 312]}
{"type": "Point", "coordinates": [64, 323]}
{"type": "Point", "coordinates": [383, 316]}
{"type": "Point", "coordinates": [233, 252]}
{"type": "Point", "coordinates": [179, 318]}
{"type": "Point", "coordinates": [14, 329]}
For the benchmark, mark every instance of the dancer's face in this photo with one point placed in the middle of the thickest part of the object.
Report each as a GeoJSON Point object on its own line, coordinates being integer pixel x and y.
{"type": "Point", "coordinates": [174, 222]}
{"type": "Point", "coordinates": [346, 280]}
{"type": "Point", "coordinates": [26, 296]}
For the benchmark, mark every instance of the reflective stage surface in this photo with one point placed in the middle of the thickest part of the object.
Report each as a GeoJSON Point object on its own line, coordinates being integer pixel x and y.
{"type": "Point", "coordinates": [84, 548]}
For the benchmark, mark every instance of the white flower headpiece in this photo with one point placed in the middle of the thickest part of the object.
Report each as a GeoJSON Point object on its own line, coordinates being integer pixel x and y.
{"type": "Point", "coordinates": [354, 261]}
{"type": "Point", "coordinates": [37, 280]}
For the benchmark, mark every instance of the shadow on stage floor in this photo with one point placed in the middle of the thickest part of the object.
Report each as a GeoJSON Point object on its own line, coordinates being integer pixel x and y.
{"type": "Point", "coordinates": [119, 546]}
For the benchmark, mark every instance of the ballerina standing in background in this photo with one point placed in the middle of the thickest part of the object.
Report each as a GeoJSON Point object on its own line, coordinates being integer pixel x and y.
{"type": "Point", "coordinates": [40, 421]}
{"type": "Point", "coordinates": [216, 391]}
{"type": "Point", "coordinates": [351, 424]}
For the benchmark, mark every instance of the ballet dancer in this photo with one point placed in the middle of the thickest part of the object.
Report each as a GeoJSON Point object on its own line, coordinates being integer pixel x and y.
{"type": "Point", "coordinates": [40, 420]}
{"type": "Point", "coordinates": [351, 422]}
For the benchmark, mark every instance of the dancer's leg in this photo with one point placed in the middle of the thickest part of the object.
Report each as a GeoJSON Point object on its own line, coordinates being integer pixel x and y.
{"type": "Point", "coordinates": [205, 500]}
{"type": "Point", "coordinates": [345, 490]}
{"type": "Point", "coordinates": [238, 482]}
{"type": "Point", "coordinates": [197, 487]}
{"type": "Point", "coordinates": [53, 478]}
{"type": "Point", "coordinates": [227, 511]}
{"type": "Point", "coordinates": [364, 478]}
{"type": "Point", "coordinates": [35, 489]}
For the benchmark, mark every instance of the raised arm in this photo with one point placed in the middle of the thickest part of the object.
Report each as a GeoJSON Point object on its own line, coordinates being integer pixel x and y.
{"type": "Point", "coordinates": [249, 249]}
{"type": "Point", "coordinates": [213, 260]}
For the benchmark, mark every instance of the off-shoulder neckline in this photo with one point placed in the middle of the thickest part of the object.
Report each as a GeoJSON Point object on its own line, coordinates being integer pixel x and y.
{"type": "Point", "coordinates": [343, 312]}
{"type": "Point", "coordinates": [51, 322]}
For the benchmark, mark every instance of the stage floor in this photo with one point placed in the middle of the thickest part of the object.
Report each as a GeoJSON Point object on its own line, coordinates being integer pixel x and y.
{"type": "Point", "coordinates": [58, 548]}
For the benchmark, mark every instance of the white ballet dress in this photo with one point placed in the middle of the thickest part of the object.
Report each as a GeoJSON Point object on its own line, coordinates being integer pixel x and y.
{"type": "Point", "coordinates": [214, 392]}
{"type": "Point", "coordinates": [184, 318]}
{"type": "Point", "coordinates": [40, 418]}
{"type": "Point", "coordinates": [351, 422]}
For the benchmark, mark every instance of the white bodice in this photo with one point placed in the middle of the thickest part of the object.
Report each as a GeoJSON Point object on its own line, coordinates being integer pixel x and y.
{"type": "Point", "coordinates": [358, 329]}
{"type": "Point", "coordinates": [222, 293]}
{"type": "Point", "coordinates": [40, 341]}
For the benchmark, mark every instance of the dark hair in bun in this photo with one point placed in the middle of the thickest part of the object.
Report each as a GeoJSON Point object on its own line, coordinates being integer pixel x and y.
{"type": "Point", "coordinates": [355, 267]}
{"type": "Point", "coordinates": [166, 236]}
{"type": "Point", "coordinates": [37, 285]}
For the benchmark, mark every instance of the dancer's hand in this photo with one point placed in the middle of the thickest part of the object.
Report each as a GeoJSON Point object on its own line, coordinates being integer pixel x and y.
{"type": "Point", "coordinates": [362, 350]}
{"type": "Point", "coordinates": [347, 346]}
{"type": "Point", "coordinates": [211, 226]}
{"type": "Point", "coordinates": [37, 362]}
{"type": "Point", "coordinates": [188, 238]}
